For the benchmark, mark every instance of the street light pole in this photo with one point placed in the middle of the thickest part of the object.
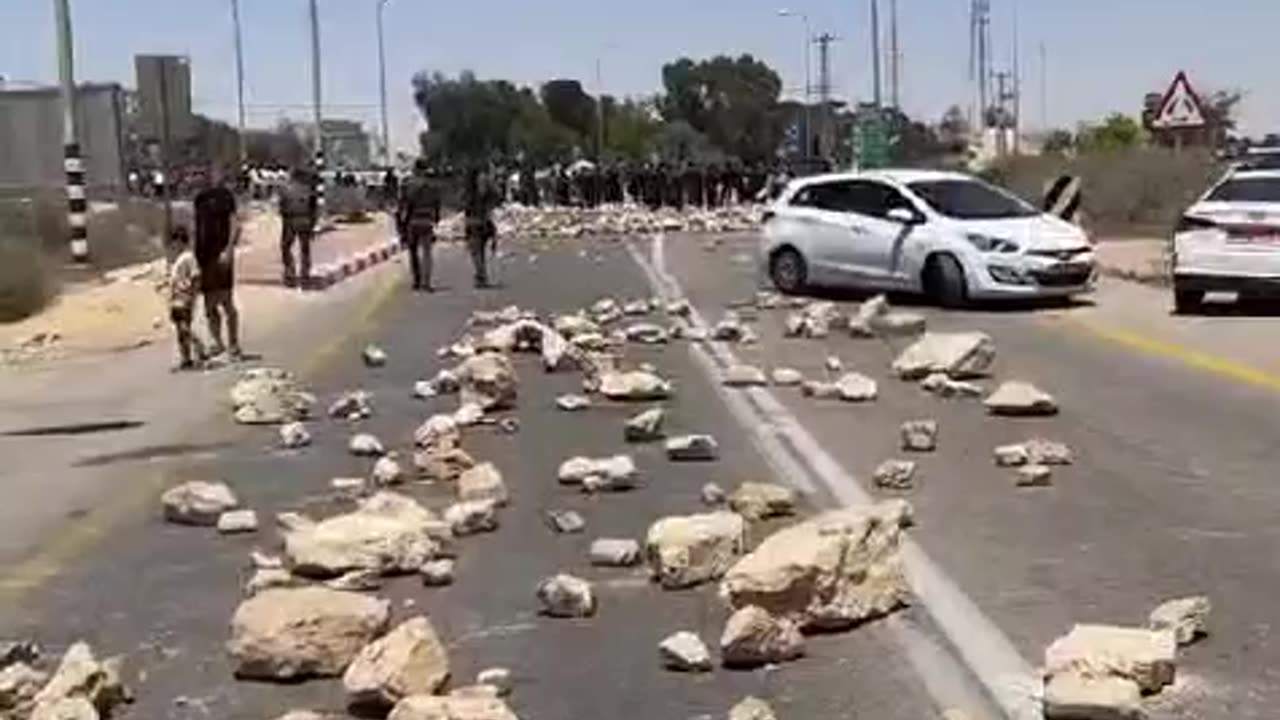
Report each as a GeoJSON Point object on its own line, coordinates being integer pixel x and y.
{"type": "Point", "coordinates": [235, 21]}
{"type": "Point", "coordinates": [318, 147]}
{"type": "Point", "coordinates": [875, 53]}
{"type": "Point", "coordinates": [599, 113]}
{"type": "Point", "coordinates": [382, 87]}
{"type": "Point", "coordinates": [72, 163]}
{"type": "Point", "coordinates": [808, 78]}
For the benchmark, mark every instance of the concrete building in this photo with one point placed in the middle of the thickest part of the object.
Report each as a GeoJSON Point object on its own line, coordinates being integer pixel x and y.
{"type": "Point", "coordinates": [31, 139]}
{"type": "Point", "coordinates": [346, 145]}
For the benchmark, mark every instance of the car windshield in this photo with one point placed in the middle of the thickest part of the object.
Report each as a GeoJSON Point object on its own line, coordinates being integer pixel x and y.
{"type": "Point", "coordinates": [970, 200]}
{"type": "Point", "coordinates": [1253, 189]}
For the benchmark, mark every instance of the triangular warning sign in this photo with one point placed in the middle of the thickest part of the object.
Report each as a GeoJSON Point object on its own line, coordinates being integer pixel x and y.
{"type": "Point", "coordinates": [1180, 107]}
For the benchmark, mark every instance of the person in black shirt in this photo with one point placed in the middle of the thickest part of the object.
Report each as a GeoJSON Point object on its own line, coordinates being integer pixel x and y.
{"type": "Point", "coordinates": [416, 217]}
{"type": "Point", "coordinates": [217, 232]}
{"type": "Point", "coordinates": [479, 199]}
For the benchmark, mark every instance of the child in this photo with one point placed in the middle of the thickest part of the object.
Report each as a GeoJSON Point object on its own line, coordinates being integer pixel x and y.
{"type": "Point", "coordinates": [183, 285]}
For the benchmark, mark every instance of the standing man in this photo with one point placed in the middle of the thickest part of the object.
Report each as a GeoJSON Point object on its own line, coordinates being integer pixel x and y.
{"type": "Point", "coordinates": [416, 217]}
{"type": "Point", "coordinates": [217, 232]}
{"type": "Point", "coordinates": [298, 211]}
{"type": "Point", "coordinates": [478, 203]}
{"type": "Point", "coordinates": [390, 188]}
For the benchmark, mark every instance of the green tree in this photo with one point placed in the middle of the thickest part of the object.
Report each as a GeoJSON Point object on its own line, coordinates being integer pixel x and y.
{"type": "Point", "coordinates": [569, 105]}
{"type": "Point", "coordinates": [731, 101]}
{"type": "Point", "coordinates": [1058, 142]}
{"type": "Point", "coordinates": [631, 128]}
{"type": "Point", "coordinates": [1117, 132]}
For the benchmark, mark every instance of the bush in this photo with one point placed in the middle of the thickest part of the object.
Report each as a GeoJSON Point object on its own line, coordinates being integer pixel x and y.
{"type": "Point", "coordinates": [28, 281]}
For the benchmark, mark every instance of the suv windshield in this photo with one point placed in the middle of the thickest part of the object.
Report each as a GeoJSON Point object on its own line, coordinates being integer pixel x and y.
{"type": "Point", "coordinates": [970, 200]}
{"type": "Point", "coordinates": [1253, 189]}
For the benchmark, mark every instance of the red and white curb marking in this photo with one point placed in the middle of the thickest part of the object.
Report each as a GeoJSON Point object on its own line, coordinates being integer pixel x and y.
{"type": "Point", "coordinates": [332, 273]}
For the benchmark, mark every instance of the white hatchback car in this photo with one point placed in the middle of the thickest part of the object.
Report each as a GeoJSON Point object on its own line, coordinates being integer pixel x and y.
{"type": "Point", "coordinates": [1229, 241]}
{"type": "Point", "coordinates": [945, 234]}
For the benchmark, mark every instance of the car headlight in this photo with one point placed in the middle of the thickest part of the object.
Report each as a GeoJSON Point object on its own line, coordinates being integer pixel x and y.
{"type": "Point", "coordinates": [988, 243]}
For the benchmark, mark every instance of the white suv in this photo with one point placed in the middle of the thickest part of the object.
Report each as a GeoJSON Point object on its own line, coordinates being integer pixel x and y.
{"type": "Point", "coordinates": [946, 234]}
{"type": "Point", "coordinates": [1229, 241]}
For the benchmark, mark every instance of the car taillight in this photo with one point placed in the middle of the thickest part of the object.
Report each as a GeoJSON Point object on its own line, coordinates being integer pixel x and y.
{"type": "Point", "coordinates": [1191, 222]}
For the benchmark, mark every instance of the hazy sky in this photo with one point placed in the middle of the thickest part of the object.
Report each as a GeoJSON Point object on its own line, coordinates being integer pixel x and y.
{"type": "Point", "coordinates": [1103, 55]}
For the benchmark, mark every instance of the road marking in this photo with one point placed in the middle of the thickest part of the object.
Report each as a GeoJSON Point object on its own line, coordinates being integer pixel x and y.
{"type": "Point", "coordinates": [1011, 682]}
{"type": "Point", "coordinates": [1207, 362]}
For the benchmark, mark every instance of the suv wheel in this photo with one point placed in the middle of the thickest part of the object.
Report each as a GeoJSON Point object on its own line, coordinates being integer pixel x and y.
{"type": "Point", "coordinates": [788, 271]}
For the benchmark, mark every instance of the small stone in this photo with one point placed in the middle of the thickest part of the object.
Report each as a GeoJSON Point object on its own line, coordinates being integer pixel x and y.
{"type": "Point", "coordinates": [356, 581]}
{"type": "Point", "coordinates": [386, 472]}
{"type": "Point", "coordinates": [744, 376]}
{"type": "Point", "coordinates": [566, 596]}
{"type": "Point", "coordinates": [794, 326]}
{"type": "Point", "coordinates": [437, 432]}
{"type": "Point", "coordinates": [685, 652]}
{"type": "Point", "coordinates": [471, 517]}
{"type": "Point", "coordinates": [820, 390]}
{"type": "Point", "coordinates": [856, 387]}
{"type": "Point", "coordinates": [635, 307]}
{"type": "Point", "coordinates": [646, 334]}
{"type": "Point", "coordinates": [1034, 476]}
{"type": "Point", "coordinates": [348, 484]}
{"type": "Point", "coordinates": [573, 403]}
{"type": "Point", "coordinates": [1015, 455]}
{"type": "Point", "coordinates": [294, 435]}
{"type": "Point", "coordinates": [713, 495]}
{"type": "Point", "coordinates": [729, 329]}
{"type": "Point", "coordinates": [442, 465]}
{"type": "Point", "coordinates": [566, 521]}
{"type": "Point", "coordinates": [498, 677]}
{"type": "Point", "coordinates": [468, 414]}
{"type": "Point", "coordinates": [365, 445]}
{"type": "Point", "coordinates": [646, 426]}
{"type": "Point", "coordinates": [752, 708]}
{"type": "Point", "coordinates": [614, 552]}
{"type": "Point", "coordinates": [483, 482]}
{"type": "Point", "coordinates": [1018, 398]}
{"type": "Point", "coordinates": [898, 324]}
{"type": "Point", "coordinates": [1048, 452]}
{"type": "Point", "coordinates": [425, 390]}
{"type": "Point", "coordinates": [437, 573]}
{"type": "Point", "coordinates": [354, 405]}
{"type": "Point", "coordinates": [1187, 618]}
{"type": "Point", "coordinates": [786, 377]}
{"type": "Point", "coordinates": [237, 521]}
{"type": "Point", "coordinates": [919, 435]}
{"type": "Point", "coordinates": [696, 333]}
{"type": "Point", "coordinates": [941, 385]}
{"type": "Point", "coordinates": [197, 502]}
{"type": "Point", "coordinates": [509, 425]}
{"type": "Point", "coordinates": [833, 364]}
{"type": "Point", "coordinates": [268, 578]}
{"type": "Point", "coordinates": [261, 560]}
{"type": "Point", "coordinates": [613, 473]}
{"type": "Point", "coordinates": [752, 637]}
{"type": "Point", "coordinates": [760, 501]}
{"type": "Point", "coordinates": [895, 475]}
{"type": "Point", "coordinates": [374, 356]}
{"type": "Point", "coordinates": [19, 684]}
{"type": "Point", "coordinates": [635, 385]}
{"type": "Point", "coordinates": [679, 308]}
{"type": "Point", "coordinates": [692, 448]}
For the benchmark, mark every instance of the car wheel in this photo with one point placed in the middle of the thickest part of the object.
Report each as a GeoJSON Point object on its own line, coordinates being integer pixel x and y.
{"type": "Point", "coordinates": [1187, 302]}
{"type": "Point", "coordinates": [945, 282]}
{"type": "Point", "coordinates": [788, 271]}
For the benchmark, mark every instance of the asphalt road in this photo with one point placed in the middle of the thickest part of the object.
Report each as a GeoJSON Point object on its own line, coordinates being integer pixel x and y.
{"type": "Point", "coordinates": [162, 595]}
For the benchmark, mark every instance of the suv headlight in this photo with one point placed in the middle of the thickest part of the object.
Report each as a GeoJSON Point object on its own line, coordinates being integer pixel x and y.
{"type": "Point", "coordinates": [989, 243]}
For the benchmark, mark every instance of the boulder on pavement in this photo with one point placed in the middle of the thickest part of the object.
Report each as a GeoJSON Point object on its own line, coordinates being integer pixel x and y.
{"type": "Point", "coordinates": [828, 573]}
{"type": "Point", "coordinates": [612, 473]}
{"type": "Point", "coordinates": [729, 329]}
{"type": "Point", "coordinates": [269, 396]}
{"type": "Point", "coordinates": [1077, 697]}
{"type": "Point", "coordinates": [941, 385]}
{"type": "Point", "coordinates": [471, 517]}
{"type": "Point", "coordinates": [713, 495]}
{"type": "Point", "coordinates": [752, 708]}
{"type": "Point", "coordinates": [1014, 455]}
{"type": "Point", "coordinates": [744, 376]}
{"type": "Point", "coordinates": [820, 390]}
{"type": "Point", "coordinates": [895, 475]}
{"type": "Point", "coordinates": [871, 309]}
{"type": "Point", "coordinates": [1048, 452]}
{"type": "Point", "coordinates": [684, 551]}
{"type": "Point", "coordinates": [388, 533]}
{"type": "Point", "coordinates": [635, 385]}
{"type": "Point", "coordinates": [296, 633]}
{"type": "Point", "coordinates": [19, 684]}
{"type": "Point", "coordinates": [1020, 398]}
{"type": "Point", "coordinates": [439, 431]}
{"type": "Point", "coordinates": [294, 435]}
{"type": "Point", "coordinates": [958, 355]}
{"type": "Point", "coordinates": [566, 521]}
{"type": "Point", "coordinates": [1187, 618]}
{"type": "Point", "coordinates": [759, 501]}
{"type": "Point", "coordinates": [566, 596]}
{"type": "Point", "coordinates": [685, 652]}
{"type": "Point", "coordinates": [1033, 476]}
{"type": "Point", "coordinates": [386, 472]}
{"type": "Point", "coordinates": [365, 445]}
{"type": "Point", "coordinates": [753, 637]}
{"type": "Point", "coordinates": [197, 502]}
{"type": "Point", "coordinates": [573, 403]}
{"type": "Point", "coordinates": [374, 356]}
{"type": "Point", "coordinates": [497, 677]}
{"type": "Point", "coordinates": [919, 435]}
{"type": "Point", "coordinates": [81, 676]}
{"type": "Point", "coordinates": [646, 334]}
{"type": "Point", "coordinates": [483, 482]}
{"type": "Point", "coordinates": [442, 465]}
{"type": "Point", "coordinates": [354, 405]}
{"type": "Point", "coordinates": [571, 326]}
{"type": "Point", "coordinates": [445, 382]}
{"type": "Point", "coordinates": [614, 552]}
{"type": "Point", "coordinates": [692, 448]}
{"type": "Point", "coordinates": [75, 708]}
{"type": "Point", "coordinates": [646, 426]}
{"type": "Point", "coordinates": [436, 707]}
{"type": "Point", "coordinates": [409, 660]}
{"type": "Point", "coordinates": [237, 521]}
{"type": "Point", "coordinates": [833, 364]}
{"type": "Point", "coordinates": [786, 377]}
{"type": "Point", "coordinates": [1146, 657]}
{"type": "Point", "coordinates": [856, 387]}
{"type": "Point", "coordinates": [488, 380]}
{"type": "Point", "coordinates": [437, 573]}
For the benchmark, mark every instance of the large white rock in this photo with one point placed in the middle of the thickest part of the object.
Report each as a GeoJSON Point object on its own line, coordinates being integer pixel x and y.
{"type": "Point", "coordinates": [386, 471]}
{"type": "Point", "coordinates": [830, 572]}
{"type": "Point", "coordinates": [197, 502]}
{"type": "Point", "coordinates": [438, 432]}
{"type": "Point", "coordinates": [758, 501]}
{"type": "Point", "coordinates": [1187, 618]}
{"type": "Point", "coordinates": [786, 377]}
{"type": "Point", "coordinates": [634, 385]}
{"type": "Point", "coordinates": [566, 596]}
{"type": "Point", "coordinates": [294, 435]}
{"type": "Point", "coordinates": [352, 405]}
{"type": "Point", "coordinates": [753, 637]}
{"type": "Point", "coordinates": [483, 482]}
{"type": "Point", "coordinates": [1075, 697]}
{"type": "Point", "coordinates": [692, 448]}
{"type": "Point", "coordinates": [295, 633]}
{"type": "Point", "coordinates": [451, 707]}
{"type": "Point", "coordinates": [388, 533]}
{"type": "Point", "coordinates": [683, 551]}
{"type": "Point", "coordinates": [614, 552]}
{"type": "Point", "coordinates": [744, 376]}
{"type": "Point", "coordinates": [611, 473]}
{"type": "Point", "coordinates": [645, 426]}
{"type": "Point", "coordinates": [374, 356]}
{"type": "Point", "coordinates": [81, 676]}
{"type": "Point", "coordinates": [856, 387]}
{"type": "Point", "coordinates": [919, 435]}
{"type": "Point", "coordinates": [269, 396]}
{"type": "Point", "coordinates": [442, 465]}
{"type": "Point", "coordinates": [685, 652]}
{"type": "Point", "coordinates": [471, 517]}
{"type": "Point", "coordinates": [237, 521]}
{"type": "Point", "coordinates": [488, 380]}
{"type": "Point", "coordinates": [752, 708]}
{"type": "Point", "coordinates": [958, 355]}
{"type": "Point", "coordinates": [1146, 657]}
{"type": "Point", "coordinates": [409, 660]}
{"type": "Point", "coordinates": [365, 445]}
{"type": "Point", "coordinates": [19, 684]}
{"type": "Point", "coordinates": [75, 708]}
{"type": "Point", "coordinates": [1017, 397]}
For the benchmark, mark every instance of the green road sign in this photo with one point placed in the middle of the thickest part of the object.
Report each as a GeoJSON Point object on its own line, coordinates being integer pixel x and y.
{"type": "Point", "coordinates": [871, 140]}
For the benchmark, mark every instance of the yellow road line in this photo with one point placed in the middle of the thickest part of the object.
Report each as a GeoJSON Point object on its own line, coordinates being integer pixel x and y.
{"type": "Point", "coordinates": [80, 536]}
{"type": "Point", "coordinates": [1207, 362]}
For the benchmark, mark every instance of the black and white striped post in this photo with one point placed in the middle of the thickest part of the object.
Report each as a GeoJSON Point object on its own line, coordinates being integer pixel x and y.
{"type": "Point", "coordinates": [1063, 197]}
{"type": "Point", "coordinates": [73, 161]}
{"type": "Point", "coordinates": [316, 101]}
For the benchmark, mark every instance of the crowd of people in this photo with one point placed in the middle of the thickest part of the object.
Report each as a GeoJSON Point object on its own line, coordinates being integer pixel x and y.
{"type": "Point", "coordinates": [651, 184]}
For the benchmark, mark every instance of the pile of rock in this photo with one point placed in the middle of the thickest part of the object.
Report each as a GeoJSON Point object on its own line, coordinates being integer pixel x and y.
{"type": "Point", "coordinates": [520, 221]}
{"type": "Point", "coordinates": [81, 687]}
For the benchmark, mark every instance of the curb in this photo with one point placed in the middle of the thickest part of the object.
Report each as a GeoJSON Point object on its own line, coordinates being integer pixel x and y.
{"type": "Point", "coordinates": [333, 273]}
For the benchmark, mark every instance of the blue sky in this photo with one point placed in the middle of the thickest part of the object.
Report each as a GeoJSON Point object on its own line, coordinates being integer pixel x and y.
{"type": "Point", "coordinates": [1103, 55]}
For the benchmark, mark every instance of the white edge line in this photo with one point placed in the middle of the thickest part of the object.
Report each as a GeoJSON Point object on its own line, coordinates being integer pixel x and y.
{"type": "Point", "coordinates": [990, 656]}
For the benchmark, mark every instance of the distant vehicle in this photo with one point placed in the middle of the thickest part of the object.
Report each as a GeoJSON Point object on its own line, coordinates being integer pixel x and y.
{"type": "Point", "coordinates": [1229, 240]}
{"type": "Point", "coordinates": [944, 234]}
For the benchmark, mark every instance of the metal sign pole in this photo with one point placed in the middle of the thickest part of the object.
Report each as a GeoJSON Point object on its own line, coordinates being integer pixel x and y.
{"type": "Point", "coordinates": [166, 138]}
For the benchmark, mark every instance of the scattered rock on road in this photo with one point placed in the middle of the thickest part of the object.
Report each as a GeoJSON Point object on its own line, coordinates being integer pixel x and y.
{"type": "Point", "coordinates": [729, 329]}
{"type": "Point", "coordinates": [488, 380]}
{"type": "Point", "coordinates": [713, 495]}
{"type": "Point", "coordinates": [437, 573]}
{"type": "Point", "coordinates": [567, 522]}
{"type": "Point", "coordinates": [75, 708]}
{"type": "Point", "coordinates": [1145, 657]}
{"type": "Point", "coordinates": [614, 552]}
{"type": "Point", "coordinates": [386, 472]}
{"type": "Point", "coordinates": [833, 364]}
{"type": "Point", "coordinates": [294, 435]}
{"type": "Point", "coordinates": [566, 596]}
{"type": "Point", "coordinates": [269, 396]}
{"type": "Point", "coordinates": [895, 475]}
{"type": "Point", "coordinates": [197, 502]}
{"type": "Point", "coordinates": [1187, 618]}
{"type": "Point", "coordinates": [1019, 398]}
{"type": "Point", "coordinates": [483, 482]}
{"type": "Point", "coordinates": [941, 385]}
{"type": "Point", "coordinates": [744, 376]}
{"type": "Point", "coordinates": [356, 581]}
{"type": "Point", "coordinates": [365, 445]}
{"type": "Point", "coordinates": [354, 405]}
{"type": "Point", "coordinates": [409, 660]}
{"type": "Point", "coordinates": [958, 355]}
{"type": "Point", "coordinates": [295, 633]}
{"type": "Point", "coordinates": [692, 448]}
{"type": "Point", "coordinates": [471, 517]}
{"type": "Point", "coordinates": [860, 321]}
{"type": "Point", "coordinates": [684, 551]}
{"type": "Point", "coordinates": [451, 707]}
{"type": "Point", "coordinates": [786, 377]}
{"type": "Point", "coordinates": [374, 356]}
{"type": "Point", "coordinates": [438, 431]}
{"type": "Point", "coordinates": [387, 533]}
{"type": "Point", "coordinates": [646, 426]}
{"type": "Point", "coordinates": [752, 708]}
{"type": "Point", "coordinates": [612, 473]}
{"type": "Point", "coordinates": [828, 573]}
{"type": "Point", "coordinates": [1048, 452]}
{"type": "Point", "coordinates": [497, 677]}
{"type": "Point", "coordinates": [82, 677]}
{"type": "Point", "coordinates": [268, 578]}
{"type": "Point", "coordinates": [1073, 697]}
{"type": "Point", "coordinates": [1033, 476]}
{"type": "Point", "coordinates": [635, 385]}
{"type": "Point", "coordinates": [856, 387]}
{"type": "Point", "coordinates": [760, 501]}
{"type": "Point", "coordinates": [19, 684]}
{"type": "Point", "coordinates": [753, 637]}
{"type": "Point", "coordinates": [820, 390]}
{"type": "Point", "coordinates": [919, 435]}
{"type": "Point", "coordinates": [1013, 455]}
{"type": "Point", "coordinates": [237, 521]}
{"type": "Point", "coordinates": [646, 334]}
{"type": "Point", "coordinates": [425, 390]}
{"type": "Point", "coordinates": [685, 652]}
{"type": "Point", "coordinates": [442, 465]}
{"type": "Point", "coordinates": [573, 403]}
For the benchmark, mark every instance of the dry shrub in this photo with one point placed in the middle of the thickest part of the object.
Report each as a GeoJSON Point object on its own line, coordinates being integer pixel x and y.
{"type": "Point", "coordinates": [28, 280]}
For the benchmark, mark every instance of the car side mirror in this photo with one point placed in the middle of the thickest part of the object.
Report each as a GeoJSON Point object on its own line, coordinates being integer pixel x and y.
{"type": "Point", "coordinates": [904, 216]}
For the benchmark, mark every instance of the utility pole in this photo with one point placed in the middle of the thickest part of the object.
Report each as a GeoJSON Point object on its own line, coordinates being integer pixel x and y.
{"type": "Point", "coordinates": [1017, 85]}
{"type": "Point", "coordinates": [980, 57]}
{"type": "Point", "coordinates": [382, 87]}
{"type": "Point", "coordinates": [895, 58]}
{"type": "Point", "coordinates": [823, 42]}
{"type": "Point", "coordinates": [72, 161]}
{"type": "Point", "coordinates": [1044, 87]}
{"type": "Point", "coordinates": [235, 22]}
{"type": "Point", "coordinates": [318, 147]}
{"type": "Point", "coordinates": [1005, 97]}
{"type": "Point", "coordinates": [807, 135]}
{"type": "Point", "coordinates": [875, 53]}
